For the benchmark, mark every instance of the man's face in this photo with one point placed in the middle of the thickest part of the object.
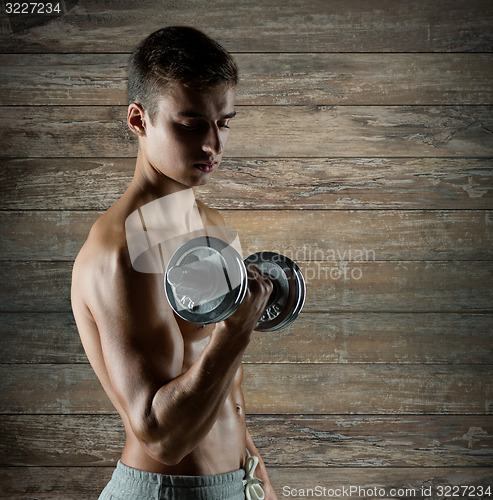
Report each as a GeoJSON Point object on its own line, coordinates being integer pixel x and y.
{"type": "Point", "coordinates": [187, 139]}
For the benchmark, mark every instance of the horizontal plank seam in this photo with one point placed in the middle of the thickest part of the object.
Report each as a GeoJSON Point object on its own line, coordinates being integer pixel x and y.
{"type": "Point", "coordinates": [392, 210]}
{"type": "Point", "coordinates": [401, 311]}
{"type": "Point", "coordinates": [274, 363]}
{"type": "Point", "coordinates": [262, 158]}
{"type": "Point", "coordinates": [341, 312]}
{"type": "Point", "coordinates": [271, 416]}
{"type": "Point", "coordinates": [287, 467]}
{"type": "Point", "coordinates": [312, 311]}
{"type": "Point", "coordinates": [403, 261]}
{"type": "Point", "coordinates": [18, 159]}
{"type": "Point", "coordinates": [318, 364]}
{"type": "Point", "coordinates": [266, 158]}
{"type": "Point", "coordinates": [306, 105]}
{"type": "Point", "coordinates": [279, 467]}
{"type": "Point", "coordinates": [332, 261]}
{"type": "Point", "coordinates": [273, 52]}
{"type": "Point", "coordinates": [283, 209]}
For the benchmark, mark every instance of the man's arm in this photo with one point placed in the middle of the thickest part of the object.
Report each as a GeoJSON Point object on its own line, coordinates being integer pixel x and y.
{"type": "Point", "coordinates": [169, 411]}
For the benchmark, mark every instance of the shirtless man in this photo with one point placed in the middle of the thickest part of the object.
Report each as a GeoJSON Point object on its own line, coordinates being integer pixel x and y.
{"type": "Point", "coordinates": [176, 385]}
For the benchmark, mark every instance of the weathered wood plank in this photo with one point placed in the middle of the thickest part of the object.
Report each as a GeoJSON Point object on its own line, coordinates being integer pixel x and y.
{"type": "Point", "coordinates": [407, 286]}
{"type": "Point", "coordinates": [58, 440]}
{"type": "Point", "coordinates": [349, 131]}
{"type": "Point", "coordinates": [267, 79]}
{"type": "Point", "coordinates": [36, 286]}
{"type": "Point", "coordinates": [276, 388]}
{"type": "Point", "coordinates": [314, 338]}
{"type": "Point", "coordinates": [293, 441]}
{"type": "Point", "coordinates": [377, 441]}
{"type": "Point", "coordinates": [42, 183]}
{"type": "Point", "coordinates": [298, 183]}
{"type": "Point", "coordinates": [352, 183]}
{"type": "Point", "coordinates": [348, 235]}
{"type": "Point", "coordinates": [396, 482]}
{"type": "Point", "coordinates": [64, 79]}
{"type": "Point", "coordinates": [40, 338]}
{"type": "Point", "coordinates": [378, 338]}
{"type": "Point", "coordinates": [336, 26]}
{"type": "Point", "coordinates": [53, 483]}
{"type": "Point", "coordinates": [265, 131]}
{"type": "Point", "coordinates": [74, 483]}
{"type": "Point", "coordinates": [379, 79]}
{"type": "Point", "coordinates": [366, 235]}
{"type": "Point", "coordinates": [370, 389]}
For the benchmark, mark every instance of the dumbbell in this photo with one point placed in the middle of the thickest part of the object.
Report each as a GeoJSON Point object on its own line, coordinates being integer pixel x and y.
{"type": "Point", "coordinates": [206, 280]}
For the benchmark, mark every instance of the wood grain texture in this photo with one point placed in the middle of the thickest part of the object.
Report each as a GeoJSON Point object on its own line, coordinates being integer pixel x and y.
{"type": "Point", "coordinates": [406, 286]}
{"type": "Point", "coordinates": [346, 235]}
{"type": "Point", "coordinates": [289, 441]}
{"type": "Point", "coordinates": [377, 441]}
{"type": "Point", "coordinates": [361, 126]}
{"type": "Point", "coordinates": [378, 338]}
{"type": "Point", "coordinates": [368, 389]}
{"type": "Point", "coordinates": [40, 338]}
{"type": "Point", "coordinates": [396, 482]}
{"type": "Point", "coordinates": [351, 236]}
{"type": "Point", "coordinates": [265, 79]}
{"type": "Point", "coordinates": [74, 483]}
{"type": "Point", "coordinates": [295, 26]}
{"type": "Point", "coordinates": [265, 131]}
{"type": "Point", "coordinates": [260, 184]}
{"type": "Point", "coordinates": [353, 79]}
{"type": "Point", "coordinates": [299, 388]}
{"type": "Point", "coordinates": [404, 338]}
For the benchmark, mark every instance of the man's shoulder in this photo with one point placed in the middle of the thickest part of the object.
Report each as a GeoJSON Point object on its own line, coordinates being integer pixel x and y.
{"type": "Point", "coordinates": [105, 245]}
{"type": "Point", "coordinates": [212, 216]}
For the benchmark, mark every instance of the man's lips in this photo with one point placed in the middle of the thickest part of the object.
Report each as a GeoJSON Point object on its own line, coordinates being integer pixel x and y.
{"type": "Point", "coordinates": [206, 166]}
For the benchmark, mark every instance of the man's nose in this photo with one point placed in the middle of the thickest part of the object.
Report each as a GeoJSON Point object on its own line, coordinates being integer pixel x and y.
{"type": "Point", "coordinates": [212, 142]}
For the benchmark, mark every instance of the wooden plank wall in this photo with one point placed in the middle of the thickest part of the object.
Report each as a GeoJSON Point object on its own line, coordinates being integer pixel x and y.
{"type": "Point", "coordinates": [363, 148]}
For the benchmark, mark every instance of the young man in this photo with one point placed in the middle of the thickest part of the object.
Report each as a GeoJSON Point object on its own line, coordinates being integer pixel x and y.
{"type": "Point", "coordinates": [176, 385]}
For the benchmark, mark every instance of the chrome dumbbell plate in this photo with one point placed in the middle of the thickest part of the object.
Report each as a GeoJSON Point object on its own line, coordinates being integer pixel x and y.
{"type": "Point", "coordinates": [207, 280]}
{"type": "Point", "coordinates": [288, 295]}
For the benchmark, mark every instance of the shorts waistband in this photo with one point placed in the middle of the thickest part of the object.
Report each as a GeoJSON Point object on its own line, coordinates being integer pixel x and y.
{"type": "Point", "coordinates": [181, 481]}
{"type": "Point", "coordinates": [131, 483]}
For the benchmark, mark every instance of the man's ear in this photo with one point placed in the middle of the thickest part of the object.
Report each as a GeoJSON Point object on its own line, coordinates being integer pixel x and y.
{"type": "Point", "coordinates": [136, 119]}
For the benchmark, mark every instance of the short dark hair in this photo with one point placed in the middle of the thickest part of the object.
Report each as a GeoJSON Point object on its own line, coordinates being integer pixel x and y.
{"type": "Point", "coordinates": [177, 54]}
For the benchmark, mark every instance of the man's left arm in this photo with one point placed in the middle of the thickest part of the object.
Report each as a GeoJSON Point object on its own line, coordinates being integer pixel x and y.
{"type": "Point", "coordinates": [260, 471]}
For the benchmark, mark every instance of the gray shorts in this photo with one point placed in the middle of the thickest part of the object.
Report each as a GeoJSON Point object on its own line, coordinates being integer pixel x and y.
{"type": "Point", "coordinates": [132, 484]}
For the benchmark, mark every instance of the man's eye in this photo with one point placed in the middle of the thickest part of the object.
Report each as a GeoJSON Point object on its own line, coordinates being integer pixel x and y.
{"type": "Point", "coordinates": [189, 127]}
{"type": "Point", "coordinates": [195, 127]}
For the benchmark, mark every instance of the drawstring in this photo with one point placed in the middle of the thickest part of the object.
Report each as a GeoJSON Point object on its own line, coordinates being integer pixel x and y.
{"type": "Point", "coordinates": [253, 490]}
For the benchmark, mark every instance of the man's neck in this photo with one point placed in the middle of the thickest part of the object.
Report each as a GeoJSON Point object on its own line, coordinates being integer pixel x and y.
{"type": "Point", "coordinates": [149, 184]}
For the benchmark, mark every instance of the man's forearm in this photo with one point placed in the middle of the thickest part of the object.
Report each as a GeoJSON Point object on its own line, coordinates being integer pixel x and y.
{"type": "Point", "coordinates": [189, 404]}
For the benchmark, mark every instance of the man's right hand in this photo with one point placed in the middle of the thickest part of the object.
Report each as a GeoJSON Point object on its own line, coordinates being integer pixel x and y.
{"type": "Point", "coordinates": [253, 304]}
